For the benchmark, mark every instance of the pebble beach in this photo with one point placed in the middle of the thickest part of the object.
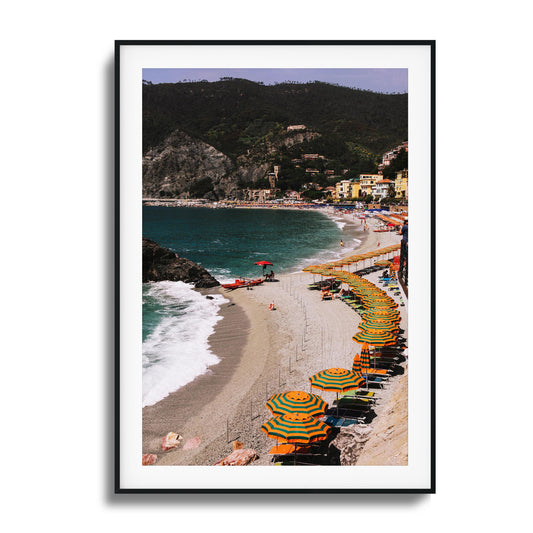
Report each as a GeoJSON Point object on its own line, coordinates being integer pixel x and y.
{"type": "Point", "coordinates": [264, 352]}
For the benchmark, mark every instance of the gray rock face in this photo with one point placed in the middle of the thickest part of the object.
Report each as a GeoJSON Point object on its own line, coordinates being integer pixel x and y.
{"type": "Point", "coordinates": [184, 167]}
{"type": "Point", "coordinates": [171, 168]}
{"type": "Point", "coordinates": [160, 264]}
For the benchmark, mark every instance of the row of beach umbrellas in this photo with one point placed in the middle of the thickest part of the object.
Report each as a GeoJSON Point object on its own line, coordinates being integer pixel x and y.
{"type": "Point", "coordinates": [296, 413]}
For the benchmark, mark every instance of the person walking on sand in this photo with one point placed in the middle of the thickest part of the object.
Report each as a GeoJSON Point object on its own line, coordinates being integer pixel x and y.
{"type": "Point", "coordinates": [403, 248]}
{"type": "Point", "coordinates": [342, 244]}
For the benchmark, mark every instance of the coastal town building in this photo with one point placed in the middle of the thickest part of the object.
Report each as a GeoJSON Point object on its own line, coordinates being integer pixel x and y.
{"type": "Point", "coordinates": [367, 181]}
{"type": "Point", "coordinates": [356, 188]}
{"type": "Point", "coordinates": [312, 171]}
{"type": "Point", "coordinates": [381, 189]}
{"type": "Point", "coordinates": [293, 195]}
{"type": "Point", "coordinates": [273, 177]}
{"type": "Point", "coordinates": [259, 195]}
{"type": "Point", "coordinates": [296, 127]}
{"type": "Point", "coordinates": [331, 192]}
{"type": "Point", "coordinates": [347, 190]}
{"type": "Point", "coordinates": [400, 184]}
{"type": "Point", "coordinates": [389, 156]}
{"type": "Point", "coordinates": [343, 190]}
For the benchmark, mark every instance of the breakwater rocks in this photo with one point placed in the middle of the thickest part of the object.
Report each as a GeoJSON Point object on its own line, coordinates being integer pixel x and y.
{"type": "Point", "coordinates": [160, 264]}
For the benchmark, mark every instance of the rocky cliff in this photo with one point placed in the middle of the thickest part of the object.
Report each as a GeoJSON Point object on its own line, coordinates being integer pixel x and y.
{"type": "Point", "coordinates": [185, 167]}
{"type": "Point", "coordinates": [180, 162]}
{"type": "Point", "coordinates": [160, 264]}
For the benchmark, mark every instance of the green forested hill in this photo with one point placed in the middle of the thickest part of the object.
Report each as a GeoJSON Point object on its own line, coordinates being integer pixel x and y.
{"type": "Point", "coordinates": [234, 115]}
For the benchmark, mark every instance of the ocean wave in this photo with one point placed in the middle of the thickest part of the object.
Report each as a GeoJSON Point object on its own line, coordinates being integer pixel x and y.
{"type": "Point", "coordinates": [339, 222]}
{"type": "Point", "coordinates": [177, 350]}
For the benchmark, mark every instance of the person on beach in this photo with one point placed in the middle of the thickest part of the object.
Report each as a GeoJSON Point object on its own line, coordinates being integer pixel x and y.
{"type": "Point", "coordinates": [404, 243]}
{"type": "Point", "coordinates": [342, 244]}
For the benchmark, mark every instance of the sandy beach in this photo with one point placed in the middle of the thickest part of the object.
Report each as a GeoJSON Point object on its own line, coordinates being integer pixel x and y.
{"type": "Point", "coordinates": [264, 352]}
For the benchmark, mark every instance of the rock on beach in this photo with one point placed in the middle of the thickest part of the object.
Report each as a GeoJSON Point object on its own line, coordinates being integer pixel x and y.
{"type": "Point", "coordinates": [161, 264]}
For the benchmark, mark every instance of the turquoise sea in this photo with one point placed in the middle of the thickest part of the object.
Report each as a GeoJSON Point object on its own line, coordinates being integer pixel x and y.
{"type": "Point", "coordinates": [178, 320]}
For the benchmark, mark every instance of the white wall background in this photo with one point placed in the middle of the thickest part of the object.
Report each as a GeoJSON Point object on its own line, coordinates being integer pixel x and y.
{"type": "Point", "coordinates": [57, 228]}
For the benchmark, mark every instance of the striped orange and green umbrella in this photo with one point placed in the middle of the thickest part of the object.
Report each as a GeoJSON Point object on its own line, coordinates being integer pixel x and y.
{"type": "Point", "coordinates": [389, 314]}
{"type": "Point", "coordinates": [296, 428]}
{"type": "Point", "coordinates": [380, 305]}
{"type": "Point", "coordinates": [378, 299]}
{"type": "Point", "coordinates": [378, 326]}
{"type": "Point", "coordinates": [383, 262]}
{"type": "Point", "coordinates": [377, 338]}
{"type": "Point", "coordinates": [356, 365]}
{"type": "Point", "coordinates": [297, 402]}
{"type": "Point", "coordinates": [337, 380]}
{"type": "Point", "coordinates": [375, 298]}
{"type": "Point", "coordinates": [365, 357]}
{"type": "Point", "coordinates": [311, 268]}
{"type": "Point", "coordinates": [370, 317]}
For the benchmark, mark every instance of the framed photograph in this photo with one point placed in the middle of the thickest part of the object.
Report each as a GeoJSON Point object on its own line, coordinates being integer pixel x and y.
{"type": "Point", "coordinates": [275, 319]}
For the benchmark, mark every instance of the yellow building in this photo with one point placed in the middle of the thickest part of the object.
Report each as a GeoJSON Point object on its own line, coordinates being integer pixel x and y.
{"type": "Point", "coordinates": [343, 190]}
{"type": "Point", "coordinates": [366, 182]}
{"type": "Point", "coordinates": [400, 184]}
{"type": "Point", "coordinates": [356, 188]}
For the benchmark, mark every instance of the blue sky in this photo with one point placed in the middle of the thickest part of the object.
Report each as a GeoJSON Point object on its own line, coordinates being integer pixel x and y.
{"type": "Point", "coordinates": [384, 80]}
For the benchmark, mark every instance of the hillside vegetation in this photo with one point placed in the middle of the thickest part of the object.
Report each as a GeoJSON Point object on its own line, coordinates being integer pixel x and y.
{"type": "Point", "coordinates": [247, 122]}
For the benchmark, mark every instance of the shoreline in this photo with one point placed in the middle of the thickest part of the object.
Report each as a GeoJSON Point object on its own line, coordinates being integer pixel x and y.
{"type": "Point", "coordinates": [262, 353]}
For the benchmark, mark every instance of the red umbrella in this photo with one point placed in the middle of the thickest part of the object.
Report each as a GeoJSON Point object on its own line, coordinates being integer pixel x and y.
{"type": "Point", "coordinates": [263, 264]}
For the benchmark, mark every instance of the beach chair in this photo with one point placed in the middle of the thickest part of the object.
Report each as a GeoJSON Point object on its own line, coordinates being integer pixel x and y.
{"type": "Point", "coordinates": [385, 362]}
{"type": "Point", "coordinates": [363, 404]}
{"type": "Point", "coordinates": [290, 449]}
{"type": "Point", "coordinates": [377, 381]}
{"type": "Point", "coordinates": [350, 416]}
{"type": "Point", "coordinates": [338, 422]}
{"type": "Point", "coordinates": [357, 393]}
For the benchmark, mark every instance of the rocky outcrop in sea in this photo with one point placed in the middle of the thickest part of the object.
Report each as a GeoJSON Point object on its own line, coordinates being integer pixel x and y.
{"type": "Point", "coordinates": [161, 264]}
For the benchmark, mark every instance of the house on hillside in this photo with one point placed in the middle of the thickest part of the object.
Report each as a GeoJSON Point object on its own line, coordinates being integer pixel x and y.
{"type": "Point", "coordinates": [381, 189]}
{"type": "Point", "coordinates": [330, 191]}
{"type": "Point", "coordinates": [388, 157]}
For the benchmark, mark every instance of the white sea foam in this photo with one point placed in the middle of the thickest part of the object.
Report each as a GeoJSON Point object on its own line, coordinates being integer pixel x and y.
{"type": "Point", "coordinates": [340, 222]}
{"type": "Point", "coordinates": [177, 351]}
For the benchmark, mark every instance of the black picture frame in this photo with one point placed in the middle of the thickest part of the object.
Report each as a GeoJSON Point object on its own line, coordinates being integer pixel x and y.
{"type": "Point", "coordinates": [120, 45]}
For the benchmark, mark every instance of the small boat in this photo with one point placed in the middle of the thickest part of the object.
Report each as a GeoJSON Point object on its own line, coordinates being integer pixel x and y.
{"type": "Point", "coordinates": [242, 283]}
{"type": "Point", "coordinates": [238, 283]}
{"type": "Point", "coordinates": [257, 281]}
